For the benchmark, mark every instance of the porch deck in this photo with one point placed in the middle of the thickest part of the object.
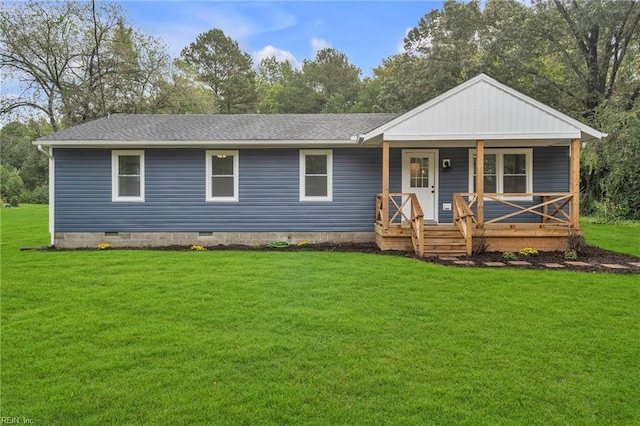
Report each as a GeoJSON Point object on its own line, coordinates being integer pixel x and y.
{"type": "Point", "coordinates": [400, 225]}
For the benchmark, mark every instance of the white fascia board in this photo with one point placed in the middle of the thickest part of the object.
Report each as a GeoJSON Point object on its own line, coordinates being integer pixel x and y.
{"type": "Point", "coordinates": [225, 144]}
{"type": "Point", "coordinates": [516, 136]}
{"type": "Point", "coordinates": [488, 143]}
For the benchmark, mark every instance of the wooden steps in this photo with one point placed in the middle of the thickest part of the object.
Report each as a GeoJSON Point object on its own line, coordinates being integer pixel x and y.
{"type": "Point", "coordinates": [443, 240]}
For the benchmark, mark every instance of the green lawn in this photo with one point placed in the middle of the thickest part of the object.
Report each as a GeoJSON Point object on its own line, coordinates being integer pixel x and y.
{"type": "Point", "coordinates": [624, 238]}
{"type": "Point", "coordinates": [152, 337]}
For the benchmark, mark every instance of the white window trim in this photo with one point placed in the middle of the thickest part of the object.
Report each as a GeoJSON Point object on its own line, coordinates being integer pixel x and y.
{"type": "Point", "coordinates": [500, 170]}
{"type": "Point", "coordinates": [236, 173]}
{"type": "Point", "coordinates": [303, 154]}
{"type": "Point", "coordinates": [115, 161]}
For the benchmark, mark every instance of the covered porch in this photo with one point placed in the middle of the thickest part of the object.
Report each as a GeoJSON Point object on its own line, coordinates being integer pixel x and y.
{"type": "Point", "coordinates": [545, 222]}
{"type": "Point", "coordinates": [512, 199]}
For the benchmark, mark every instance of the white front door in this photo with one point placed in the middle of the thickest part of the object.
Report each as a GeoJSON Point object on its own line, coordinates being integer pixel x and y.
{"type": "Point", "coordinates": [419, 176]}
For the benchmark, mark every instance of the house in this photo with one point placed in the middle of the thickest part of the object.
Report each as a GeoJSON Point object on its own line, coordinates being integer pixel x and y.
{"type": "Point", "coordinates": [480, 163]}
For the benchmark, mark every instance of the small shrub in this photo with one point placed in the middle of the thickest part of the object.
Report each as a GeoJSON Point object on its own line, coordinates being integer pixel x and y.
{"type": "Point", "coordinates": [198, 248]}
{"type": "Point", "coordinates": [304, 244]}
{"type": "Point", "coordinates": [529, 252]}
{"type": "Point", "coordinates": [479, 245]}
{"type": "Point", "coordinates": [575, 242]}
{"type": "Point", "coordinates": [570, 255]}
{"type": "Point", "coordinates": [278, 244]}
{"type": "Point", "coordinates": [105, 246]}
{"type": "Point", "coordinates": [509, 255]}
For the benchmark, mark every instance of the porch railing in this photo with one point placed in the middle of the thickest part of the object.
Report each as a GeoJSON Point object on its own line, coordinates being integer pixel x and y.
{"type": "Point", "coordinates": [552, 210]}
{"type": "Point", "coordinates": [463, 219]}
{"type": "Point", "coordinates": [402, 208]}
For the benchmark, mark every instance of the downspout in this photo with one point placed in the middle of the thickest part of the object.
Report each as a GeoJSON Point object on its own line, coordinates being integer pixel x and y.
{"type": "Point", "coordinates": [52, 192]}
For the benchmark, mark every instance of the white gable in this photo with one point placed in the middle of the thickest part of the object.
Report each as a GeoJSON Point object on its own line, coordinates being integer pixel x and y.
{"type": "Point", "coordinates": [483, 108]}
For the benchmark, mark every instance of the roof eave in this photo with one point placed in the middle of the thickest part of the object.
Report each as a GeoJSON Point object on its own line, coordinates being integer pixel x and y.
{"type": "Point", "coordinates": [255, 143]}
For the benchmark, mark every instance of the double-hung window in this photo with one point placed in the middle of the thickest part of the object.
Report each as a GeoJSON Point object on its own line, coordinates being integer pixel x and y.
{"type": "Point", "coordinates": [507, 171]}
{"type": "Point", "coordinates": [316, 175]}
{"type": "Point", "coordinates": [127, 175]}
{"type": "Point", "coordinates": [222, 175]}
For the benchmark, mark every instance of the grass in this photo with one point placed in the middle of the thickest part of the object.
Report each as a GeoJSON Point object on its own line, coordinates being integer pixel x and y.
{"type": "Point", "coordinates": [623, 237]}
{"type": "Point", "coordinates": [150, 337]}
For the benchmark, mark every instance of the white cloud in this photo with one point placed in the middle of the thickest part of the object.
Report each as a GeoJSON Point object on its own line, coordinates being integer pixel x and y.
{"type": "Point", "coordinates": [281, 55]}
{"type": "Point", "coordinates": [239, 21]}
{"type": "Point", "coordinates": [202, 19]}
{"type": "Point", "coordinates": [319, 44]}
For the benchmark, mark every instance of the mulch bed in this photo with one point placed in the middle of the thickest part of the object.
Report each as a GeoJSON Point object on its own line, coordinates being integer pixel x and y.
{"type": "Point", "coordinates": [592, 255]}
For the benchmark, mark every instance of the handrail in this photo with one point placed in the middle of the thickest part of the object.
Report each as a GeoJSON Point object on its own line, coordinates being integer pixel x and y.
{"type": "Point", "coordinates": [462, 218]}
{"type": "Point", "coordinates": [417, 225]}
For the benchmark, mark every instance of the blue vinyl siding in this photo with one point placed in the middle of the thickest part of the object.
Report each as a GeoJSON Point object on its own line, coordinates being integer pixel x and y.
{"type": "Point", "coordinates": [551, 167]}
{"type": "Point", "coordinates": [175, 193]}
{"type": "Point", "coordinates": [268, 190]}
{"type": "Point", "coordinates": [453, 180]}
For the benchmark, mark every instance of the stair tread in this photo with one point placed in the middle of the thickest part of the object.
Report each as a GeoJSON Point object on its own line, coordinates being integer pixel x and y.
{"type": "Point", "coordinates": [443, 240]}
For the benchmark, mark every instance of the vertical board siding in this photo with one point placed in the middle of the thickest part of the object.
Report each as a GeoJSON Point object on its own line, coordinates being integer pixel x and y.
{"type": "Point", "coordinates": [175, 193]}
{"type": "Point", "coordinates": [482, 108]}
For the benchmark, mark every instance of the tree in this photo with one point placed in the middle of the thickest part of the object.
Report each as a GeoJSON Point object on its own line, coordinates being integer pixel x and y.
{"type": "Point", "coordinates": [276, 84]}
{"type": "Point", "coordinates": [449, 41]}
{"type": "Point", "coordinates": [368, 97]}
{"type": "Point", "coordinates": [11, 185]}
{"type": "Point", "coordinates": [19, 154]}
{"type": "Point", "coordinates": [285, 90]}
{"type": "Point", "coordinates": [442, 51]}
{"type": "Point", "coordinates": [334, 79]}
{"type": "Point", "coordinates": [218, 62]}
{"type": "Point", "coordinates": [592, 38]}
{"type": "Point", "coordinates": [76, 61]}
{"type": "Point", "coordinates": [183, 94]}
{"type": "Point", "coordinates": [404, 83]}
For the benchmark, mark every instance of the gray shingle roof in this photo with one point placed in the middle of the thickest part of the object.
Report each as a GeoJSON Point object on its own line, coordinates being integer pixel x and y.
{"type": "Point", "coordinates": [221, 127]}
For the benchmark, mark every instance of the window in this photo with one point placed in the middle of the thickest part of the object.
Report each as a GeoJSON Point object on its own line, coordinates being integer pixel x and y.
{"type": "Point", "coordinates": [505, 171]}
{"type": "Point", "coordinates": [127, 171]}
{"type": "Point", "coordinates": [222, 176]}
{"type": "Point", "coordinates": [419, 172]}
{"type": "Point", "coordinates": [316, 175]}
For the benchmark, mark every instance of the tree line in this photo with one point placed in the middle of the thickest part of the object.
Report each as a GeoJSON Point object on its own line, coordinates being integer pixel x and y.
{"type": "Point", "coordinates": [77, 61]}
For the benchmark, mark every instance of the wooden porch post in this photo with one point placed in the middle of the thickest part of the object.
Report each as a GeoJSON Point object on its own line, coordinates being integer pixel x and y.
{"type": "Point", "coordinates": [575, 182]}
{"type": "Point", "coordinates": [480, 181]}
{"type": "Point", "coordinates": [385, 184]}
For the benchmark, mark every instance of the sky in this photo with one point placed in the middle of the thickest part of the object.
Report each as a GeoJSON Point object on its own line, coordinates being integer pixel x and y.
{"type": "Point", "coordinates": [366, 31]}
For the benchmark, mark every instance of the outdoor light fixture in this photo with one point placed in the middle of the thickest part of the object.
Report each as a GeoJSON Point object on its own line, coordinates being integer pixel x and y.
{"type": "Point", "coordinates": [446, 164]}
